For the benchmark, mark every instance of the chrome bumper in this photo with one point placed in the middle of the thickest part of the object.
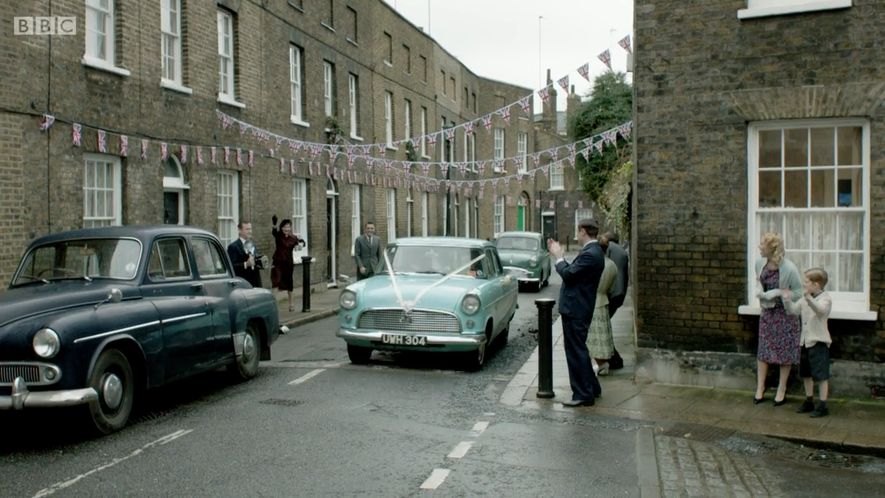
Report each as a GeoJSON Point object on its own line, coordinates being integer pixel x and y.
{"type": "Point", "coordinates": [21, 398]}
{"type": "Point", "coordinates": [528, 280]}
{"type": "Point", "coordinates": [432, 339]}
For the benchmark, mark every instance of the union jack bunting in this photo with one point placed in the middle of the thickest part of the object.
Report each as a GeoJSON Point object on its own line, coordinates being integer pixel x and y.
{"type": "Point", "coordinates": [46, 122]}
{"type": "Point", "coordinates": [124, 146]}
{"type": "Point", "coordinates": [487, 121]}
{"type": "Point", "coordinates": [425, 168]}
{"type": "Point", "coordinates": [251, 158]}
{"type": "Point", "coordinates": [563, 82]}
{"type": "Point", "coordinates": [551, 205]}
{"type": "Point", "coordinates": [571, 153]}
{"type": "Point", "coordinates": [242, 127]}
{"type": "Point", "coordinates": [469, 127]}
{"type": "Point", "coordinates": [199, 155]}
{"type": "Point", "coordinates": [536, 158]}
{"type": "Point", "coordinates": [226, 155]}
{"type": "Point", "coordinates": [102, 141]}
{"type": "Point", "coordinates": [504, 112]}
{"type": "Point", "coordinates": [525, 104]}
{"type": "Point", "coordinates": [450, 134]}
{"type": "Point", "coordinates": [606, 58]}
{"type": "Point", "coordinates": [584, 71]}
{"type": "Point", "coordinates": [293, 167]}
{"type": "Point", "coordinates": [213, 154]}
{"type": "Point", "coordinates": [282, 165]}
{"type": "Point", "coordinates": [544, 93]}
{"type": "Point", "coordinates": [625, 129]}
{"type": "Point", "coordinates": [625, 44]}
{"type": "Point", "coordinates": [76, 134]}
{"type": "Point", "coordinates": [183, 151]}
{"type": "Point", "coordinates": [350, 159]}
{"type": "Point", "coordinates": [144, 148]}
{"type": "Point", "coordinates": [164, 150]}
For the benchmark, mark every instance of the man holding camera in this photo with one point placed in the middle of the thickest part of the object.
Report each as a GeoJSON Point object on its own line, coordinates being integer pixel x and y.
{"type": "Point", "coordinates": [244, 255]}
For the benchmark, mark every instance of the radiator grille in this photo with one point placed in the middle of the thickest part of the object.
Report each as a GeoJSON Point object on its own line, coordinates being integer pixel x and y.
{"type": "Point", "coordinates": [417, 321]}
{"type": "Point", "coordinates": [30, 373]}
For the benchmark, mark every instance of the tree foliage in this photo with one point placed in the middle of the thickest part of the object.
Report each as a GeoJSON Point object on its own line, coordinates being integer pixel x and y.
{"type": "Point", "coordinates": [602, 176]}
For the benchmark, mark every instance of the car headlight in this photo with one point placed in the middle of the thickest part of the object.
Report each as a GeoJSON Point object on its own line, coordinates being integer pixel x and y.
{"type": "Point", "coordinates": [470, 304]}
{"type": "Point", "coordinates": [46, 343]}
{"type": "Point", "coordinates": [347, 299]}
{"type": "Point", "coordinates": [534, 261]}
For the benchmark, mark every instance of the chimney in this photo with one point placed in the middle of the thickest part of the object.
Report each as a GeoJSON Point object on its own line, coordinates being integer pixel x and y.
{"type": "Point", "coordinates": [548, 114]}
{"type": "Point", "coordinates": [573, 104]}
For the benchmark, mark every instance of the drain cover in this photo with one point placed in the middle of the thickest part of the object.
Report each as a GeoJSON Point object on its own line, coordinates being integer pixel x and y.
{"type": "Point", "coordinates": [280, 402]}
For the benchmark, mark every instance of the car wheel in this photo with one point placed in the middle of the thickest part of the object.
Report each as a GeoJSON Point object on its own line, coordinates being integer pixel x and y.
{"type": "Point", "coordinates": [474, 360]}
{"type": "Point", "coordinates": [113, 380]}
{"type": "Point", "coordinates": [504, 336]}
{"type": "Point", "coordinates": [246, 365]}
{"type": "Point", "coordinates": [358, 355]}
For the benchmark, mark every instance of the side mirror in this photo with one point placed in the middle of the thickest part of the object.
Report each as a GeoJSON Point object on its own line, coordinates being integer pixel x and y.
{"type": "Point", "coordinates": [115, 295]}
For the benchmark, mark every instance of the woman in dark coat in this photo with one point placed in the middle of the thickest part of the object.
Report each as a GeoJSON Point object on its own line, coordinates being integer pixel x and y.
{"type": "Point", "coordinates": [283, 264]}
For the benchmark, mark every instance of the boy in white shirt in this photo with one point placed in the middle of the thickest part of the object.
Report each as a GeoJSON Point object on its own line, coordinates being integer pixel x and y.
{"type": "Point", "coordinates": [814, 364]}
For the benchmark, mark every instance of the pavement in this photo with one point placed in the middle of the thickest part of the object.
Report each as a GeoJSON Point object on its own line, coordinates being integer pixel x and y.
{"type": "Point", "coordinates": [854, 425]}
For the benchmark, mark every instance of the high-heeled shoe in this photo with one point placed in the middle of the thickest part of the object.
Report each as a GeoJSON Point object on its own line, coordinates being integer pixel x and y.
{"type": "Point", "coordinates": [781, 402]}
{"type": "Point", "coordinates": [756, 400]}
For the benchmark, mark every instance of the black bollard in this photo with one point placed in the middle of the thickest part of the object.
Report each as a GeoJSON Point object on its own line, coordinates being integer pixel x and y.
{"type": "Point", "coordinates": [545, 347]}
{"type": "Point", "coordinates": [305, 283]}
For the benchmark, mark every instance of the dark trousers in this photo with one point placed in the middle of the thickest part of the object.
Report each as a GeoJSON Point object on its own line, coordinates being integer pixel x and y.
{"type": "Point", "coordinates": [585, 385]}
{"type": "Point", "coordinates": [614, 303]}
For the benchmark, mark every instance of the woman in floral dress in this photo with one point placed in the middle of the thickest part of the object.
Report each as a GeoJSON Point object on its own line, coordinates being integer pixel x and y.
{"type": "Point", "coordinates": [778, 330]}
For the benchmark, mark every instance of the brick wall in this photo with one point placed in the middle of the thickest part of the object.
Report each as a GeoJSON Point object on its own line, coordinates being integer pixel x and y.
{"type": "Point", "coordinates": [701, 75]}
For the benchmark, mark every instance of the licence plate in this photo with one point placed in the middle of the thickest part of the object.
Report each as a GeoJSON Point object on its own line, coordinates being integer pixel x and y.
{"type": "Point", "coordinates": [404, 340]}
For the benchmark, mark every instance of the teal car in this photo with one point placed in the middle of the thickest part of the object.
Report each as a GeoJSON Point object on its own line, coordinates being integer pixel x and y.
{"type": "Point", "coordinates": [443, 294]}
{"type": "Point", "coordinates": [526, 250]}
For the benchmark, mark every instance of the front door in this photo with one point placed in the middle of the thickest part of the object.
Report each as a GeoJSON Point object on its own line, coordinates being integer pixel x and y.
{"type": "Point", "coordinates": [548, 226]}
{"type": "Point", "coordinates": [520, 217]}
{"type": "Point", "coordinates": [331, 233]}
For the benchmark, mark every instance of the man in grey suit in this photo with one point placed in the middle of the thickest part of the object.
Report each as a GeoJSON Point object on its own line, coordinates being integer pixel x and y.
{"type": "Point", "coordinates": [367, 252]}
{"type": "Point", "coordinates": [618, 292]}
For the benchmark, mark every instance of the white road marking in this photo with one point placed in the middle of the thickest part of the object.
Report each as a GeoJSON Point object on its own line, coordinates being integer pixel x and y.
{"type": "Point", "coordinates": [306, 377]}
{"type": "Point", "coordinates": [437, 477]}
{"type": "Point", "coordinates": [479, 428]}
{"type": "Point", "coordinates": [70, 482]}
{"type": "Point", "coordinates": [461, 449]}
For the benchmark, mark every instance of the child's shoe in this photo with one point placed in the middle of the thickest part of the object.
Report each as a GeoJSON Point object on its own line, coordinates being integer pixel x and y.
{"type": "Point", "coordinates": [821, 410]}
{"type": "Point", "coordinates": [807, 406]}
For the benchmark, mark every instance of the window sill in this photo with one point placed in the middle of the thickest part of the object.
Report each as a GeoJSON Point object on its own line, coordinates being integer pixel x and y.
{"type": "Point", "coordinates": [298, 122]}
{"type": "Point", "coordinates": [296, 7]}
{"type": "Point", "coordinates": [330, 28]}
{"type": "Point", "coordinates": [425, 156]}
{"type": "Point", "coordinates": [555, 189]}
{"type": "Point", "coordinates": [104, 66]}
{"type": "Point", "coordinates": [391, 147]}
{"type": "Point", "coordinates": [171, 85]}
{"type": "Point", "coordinates": [352, 42]}
{"type": "Point", "coordinates": [778, 10]}
{"type": "Point", "coordinates": [226, 99]}
{"type": "Point", "coordinates": [356, 137]}
{"type": "Point", "coordinates": [388, 63]}
{"type": "Point", "coordinates": [866, 316]}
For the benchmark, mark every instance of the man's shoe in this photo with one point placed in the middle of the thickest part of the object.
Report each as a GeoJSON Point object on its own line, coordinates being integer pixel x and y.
{"type": "Point", "coordinates": [574, 403]}
{"type": "Point", "coordinates": [820, 411]}
{"type": "Point", "coordinates": [603, 370]}
{"type": "Point", "coordinates": [806, 406]}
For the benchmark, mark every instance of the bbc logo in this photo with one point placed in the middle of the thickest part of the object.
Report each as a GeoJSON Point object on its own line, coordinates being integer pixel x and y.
{"type": "Point", "coordinates": [45, 25]}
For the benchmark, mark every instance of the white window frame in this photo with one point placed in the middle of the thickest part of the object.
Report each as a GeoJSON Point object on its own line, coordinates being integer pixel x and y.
{"type": "Point", "coordinates": [499, 214]}
{"type": "Point", "coordinates": [470, 150]}
{"type": "Point", "coordinates": [353, 96]}
{"type": "Point", "coordinates": [101, 36]}
{"type": "Point", "coordinates": [299, 217]}
{"type": "Point", "coordinates": [456, 214]}
{"type": "Point", "coordinates": [226, 59]}
{"type": "Point", "coordinates": [391, 215]}
{"type": "Point", "coordinates": [846, 305]}
{"type": "Point", "coordinates": [176, 184]}
{"type": "Point", "coordinates": [170, 44]}
{"type": "Point", "coordinates": [296, 74]}
{"type": "Point", "coordinates": [355, 213]}
{"type": "Point", "coordinates": [410, 205]}
{"type": "Point", "coordinates": [580, 214]}
{"type": "Point", "coordinates": [424, 133]}
{"type": "Point", "coordinates": [227, 194]}
{"type": "Point", "coordinates": [102, 190]}
{"type": "Point", "coordinates": [407, 118]}
{"type": "Point", "coordinates": [764, 8]}
{"type": "Point", "coordinates": [557, 177]}
{"type": "Point", "coordinates": [522, 143]}
{"type": "Point", "coordinates": [499, 148]}
{"type": "Point", "coordinates": [388, 120]}
{"type": "Point", "coordinates": [425, 206]}
{"type": "Point", "coordinates": [476, 218]}
{"type": "Point", "coordinates": [329, 89]}
{"type": "Point", "coordinates": [467, 212]}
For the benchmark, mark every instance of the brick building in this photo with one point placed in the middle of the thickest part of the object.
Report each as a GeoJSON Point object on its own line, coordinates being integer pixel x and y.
{"type": "Point", "coordinates": [756, 116]}
{"type": "Point", "coordinates": [207, 113]}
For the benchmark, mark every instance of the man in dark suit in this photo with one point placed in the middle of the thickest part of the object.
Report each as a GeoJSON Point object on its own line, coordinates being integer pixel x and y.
{"type": "Point", "coordinates": [367, 252]}
{"type": "Point", "coordinates": [244, 255]}
{"type": "Point", "coordinates": [618, 292]}
{"type": "Point", "coordinates": [577, 299]}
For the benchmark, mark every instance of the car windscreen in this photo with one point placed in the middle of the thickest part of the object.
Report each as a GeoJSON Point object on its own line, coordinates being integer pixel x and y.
{"type": "Point", "coordinates": [431, 259]}
{"type": "Point", "coordinates": [82, 258]}
{"type": "Point", "coordinates": [517, 244]}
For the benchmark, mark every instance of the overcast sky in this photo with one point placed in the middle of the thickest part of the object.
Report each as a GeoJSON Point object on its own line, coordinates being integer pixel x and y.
{"type": "Point", "coordinates": [508, 40]}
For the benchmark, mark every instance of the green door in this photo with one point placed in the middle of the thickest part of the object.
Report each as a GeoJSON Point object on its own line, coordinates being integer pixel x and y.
{"type": "Point", "coordinates": [520, 218]}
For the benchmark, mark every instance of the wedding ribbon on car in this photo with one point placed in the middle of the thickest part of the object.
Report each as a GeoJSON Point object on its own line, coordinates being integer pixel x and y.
{"type": "Point", "coordinates": [407, 307]}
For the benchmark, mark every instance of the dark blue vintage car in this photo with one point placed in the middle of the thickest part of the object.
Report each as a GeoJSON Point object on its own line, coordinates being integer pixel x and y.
{"type": "Point", "coordinates": [94, 317]}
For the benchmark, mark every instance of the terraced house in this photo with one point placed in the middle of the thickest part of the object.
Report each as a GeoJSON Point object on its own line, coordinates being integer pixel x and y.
{"type": "Point", "coordinates": [206, 113]}
{"type": "Point", "coordinates": [755, 116]}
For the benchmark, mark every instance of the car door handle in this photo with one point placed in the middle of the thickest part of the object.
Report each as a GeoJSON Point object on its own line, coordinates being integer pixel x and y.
{"type": "Point", "coordinates": [197, 286]}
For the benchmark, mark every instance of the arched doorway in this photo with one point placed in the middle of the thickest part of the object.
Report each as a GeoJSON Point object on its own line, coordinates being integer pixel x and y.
{"type": "Point", "coordinates": [331, 232]}
{"type": "Point", "coordinates": [174, 188]}
{"type": "Point", "coordinates": [522, 212]}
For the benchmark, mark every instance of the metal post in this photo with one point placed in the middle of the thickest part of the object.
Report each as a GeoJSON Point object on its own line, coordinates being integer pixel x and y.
{"type": "Point", "coordinates": [305, 283]}
{"type": "Point", "coordinates": [545, 347]}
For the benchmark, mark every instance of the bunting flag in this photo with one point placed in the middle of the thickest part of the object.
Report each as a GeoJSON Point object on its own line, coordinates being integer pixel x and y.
{"type": "Point", "coordinates": [450, 134]}
{"type": "Point", "coordinates": [239, 156]}
{"type": "Point", "coordinates": [544, 93]}
{"type": "Point", "coordinates": [625, 44]}
{"type": "Point", "coordinates": [525, 104]}
{"type": "Point", "coordinates": [282, 165]}
{"type": "Point", "coordinates": [102, 139]}
{"type": "Point", "coordinates": [164, 150]}
{"type": "Point", "coordinates": [551, 205]}
{"type": "Point", "coordinates": [144, 149]}
{"type": "Point", "coordinates": [606, 58]}
{"type": "Point", "coordinates": [584, 71]}
{"type": "Point", "coordinates": [76, 134]}
{"type": "Point", "coordinates": [124, 146]}
{"type": "Point", "coordinates": [213, 154]}
{"type": "Point", "coordinates": [46, 122]}
{"type": "Point", "coordinates": [199, 155]}
{"type": "Point", "coordinates": [183, 153]}
{"type": "Point", "coordinates": [469, 128]}
{"type": "Point", "coordinates": [226, 154]}
{"type": "Point", "coordinates": [563, 82]}
{"type": "Point", "coordinates": [504, 112]}
{"type": "Point", "coordinates": [251, 158]}
{"type": "Point", "coordinates": [487, 122]}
